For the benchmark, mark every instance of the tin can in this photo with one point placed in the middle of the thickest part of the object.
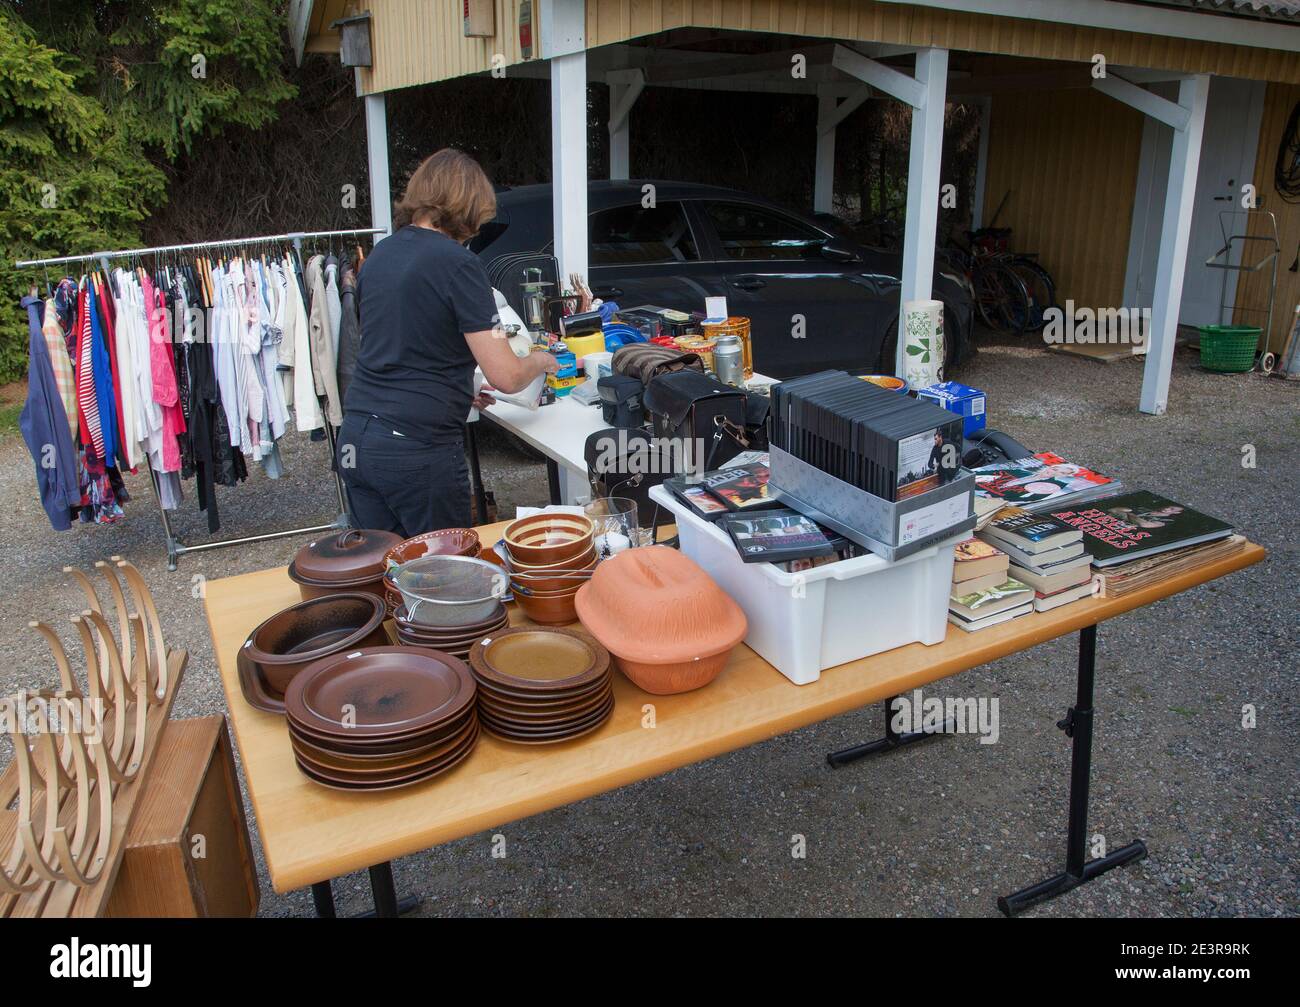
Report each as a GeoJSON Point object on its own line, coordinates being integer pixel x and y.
{"type": "Point", "coordinates": [728, 363]}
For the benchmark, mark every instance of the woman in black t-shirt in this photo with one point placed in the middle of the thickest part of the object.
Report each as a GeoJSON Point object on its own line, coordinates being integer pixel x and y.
{"type": "Point", "coordinates": [428, 315]}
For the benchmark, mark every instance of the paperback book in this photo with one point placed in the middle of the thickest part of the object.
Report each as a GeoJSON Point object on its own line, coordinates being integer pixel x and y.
{"type": "Point", "coordinates": [1037, 483]}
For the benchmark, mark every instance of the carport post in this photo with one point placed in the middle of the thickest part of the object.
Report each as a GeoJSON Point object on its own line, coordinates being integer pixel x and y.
{"type": "Point", "coordinates": [830, 113]}
{"type": "Point", "coordinates": [562, 33]}
{"type": "Point", "coordinates": [381, 199]}
{"type": "Point", "coordinates": [625, 88]}
{"type": "Point", "coordinates": [922, 189]}
{"type": "Point", "coordinates": [824, 172]}
{"type": "Point", "coordinates": [1175, 231]}
{"type": "Point", "coordinates": [926, 93]}
{"type": "Point", "coordinates": [1187, 119]}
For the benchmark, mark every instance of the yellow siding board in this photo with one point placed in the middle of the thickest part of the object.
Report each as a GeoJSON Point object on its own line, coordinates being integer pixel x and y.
{"type": "Point", "coordinates": [1069, 159]}
{"type": "Point", "coordinates": [421, 41]}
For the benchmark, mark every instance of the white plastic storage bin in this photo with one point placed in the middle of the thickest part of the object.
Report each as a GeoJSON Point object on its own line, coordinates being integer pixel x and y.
{"type": "Point", "coordinates": [829, 615]}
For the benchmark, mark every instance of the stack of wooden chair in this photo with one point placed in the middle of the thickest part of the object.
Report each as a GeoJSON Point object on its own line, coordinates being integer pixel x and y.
{"type": "Point", "coordinates": [82, 751]}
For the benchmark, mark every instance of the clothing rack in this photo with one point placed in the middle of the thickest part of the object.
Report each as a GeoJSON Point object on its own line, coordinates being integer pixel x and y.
{"type": "Point", "coordinates": [175, 547]}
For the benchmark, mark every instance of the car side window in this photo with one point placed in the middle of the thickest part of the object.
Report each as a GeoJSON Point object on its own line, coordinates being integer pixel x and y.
{"type": "Point", "coordinates": [638, 235]}
{"type": "Point", "coordinates": [754, 233]}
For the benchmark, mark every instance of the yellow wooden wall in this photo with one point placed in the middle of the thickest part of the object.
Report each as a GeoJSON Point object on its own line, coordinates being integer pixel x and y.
{"type": "Point", "coordinates": [865, 20]}
{"type": "Point", "coordinates": [1069, 159]}
{"type": "Point", "coordinates": [421, 41]}
{"type": "Point", "coordinates": [1252, 290]}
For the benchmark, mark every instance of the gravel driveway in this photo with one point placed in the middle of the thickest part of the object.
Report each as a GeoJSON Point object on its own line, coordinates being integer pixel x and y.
{"type": "Point", "coordinates": [937, 829]}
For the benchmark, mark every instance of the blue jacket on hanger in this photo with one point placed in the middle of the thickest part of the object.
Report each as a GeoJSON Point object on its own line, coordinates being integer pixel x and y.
{"type": "Point", "coordinates": [44, 423]}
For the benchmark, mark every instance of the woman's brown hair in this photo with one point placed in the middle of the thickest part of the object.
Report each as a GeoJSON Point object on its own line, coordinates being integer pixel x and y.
{"type": "Point", "coordinates": [450, 192]}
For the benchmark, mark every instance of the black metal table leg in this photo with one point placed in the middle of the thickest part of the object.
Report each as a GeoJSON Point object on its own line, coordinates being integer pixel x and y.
{"type": "Point", "coordinates": [387, 904]}
{"type": "Point", "coordinates": [1078, 727]}
{"type": "Point", "coordinates": [381, 884]}
{"type": "Point", "coordinates": [476, 473]}
{"type": "Point", "coordinates": [322, 895]}
{"type": "Point", "coordinates": [553, 480]}
{"type": "Point", "coordinates": [892, 739]}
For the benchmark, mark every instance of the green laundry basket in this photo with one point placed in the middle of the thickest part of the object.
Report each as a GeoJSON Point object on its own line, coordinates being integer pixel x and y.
{"type": "Point", "coordinates": [1229, 349]}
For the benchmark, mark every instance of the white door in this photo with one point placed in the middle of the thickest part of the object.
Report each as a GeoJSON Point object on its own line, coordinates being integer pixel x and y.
{"type": "Point", "coordinates": [1232, 120]}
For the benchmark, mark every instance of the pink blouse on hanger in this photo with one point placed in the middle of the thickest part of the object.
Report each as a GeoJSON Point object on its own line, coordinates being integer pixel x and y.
{"type": "Point", "coordinates": [162, 369]}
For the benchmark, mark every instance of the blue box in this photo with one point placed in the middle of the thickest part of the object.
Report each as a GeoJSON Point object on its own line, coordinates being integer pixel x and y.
{"type": "Point", "coordinates": [967, 402]}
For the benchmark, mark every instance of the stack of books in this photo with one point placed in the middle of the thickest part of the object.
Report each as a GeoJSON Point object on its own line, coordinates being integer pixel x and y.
{"type": "Point", "coordinates": [1139, 539]}
{"type": "Point", "coordinates": [1044, 552]}
{"type": "Point", "coordinates": [983, 592]}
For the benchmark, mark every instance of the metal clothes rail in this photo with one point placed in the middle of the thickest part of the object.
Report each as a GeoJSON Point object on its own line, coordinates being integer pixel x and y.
{"type": "Point", "coordinates": [175, 547]}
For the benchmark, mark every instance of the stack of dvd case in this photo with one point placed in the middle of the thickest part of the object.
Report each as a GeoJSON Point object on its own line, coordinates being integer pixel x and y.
{"type": "Point", "coordinates": [890, 445]}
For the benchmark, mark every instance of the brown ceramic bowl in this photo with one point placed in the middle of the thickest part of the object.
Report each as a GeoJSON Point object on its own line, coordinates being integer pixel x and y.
{"type": "Point", "coordinates": [349, 561]}
{"type": "Point", "coordinates": [548, 538]}
{"type": "Point", "coordinates": [556, 611]}
{"type": "Point", "coordinates": [447, 541]}
{"type": "Point", "coordinates": [536, 580]}
{"type": "Point", "coordinates": [304, 633]}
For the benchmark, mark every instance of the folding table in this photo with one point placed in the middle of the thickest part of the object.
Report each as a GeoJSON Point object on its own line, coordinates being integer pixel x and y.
{"type": "Point", "coordinates": [311, 834]}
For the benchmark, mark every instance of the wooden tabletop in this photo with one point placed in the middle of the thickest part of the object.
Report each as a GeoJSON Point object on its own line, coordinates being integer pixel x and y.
{"type": "Point", "coordinates": [310, 833]}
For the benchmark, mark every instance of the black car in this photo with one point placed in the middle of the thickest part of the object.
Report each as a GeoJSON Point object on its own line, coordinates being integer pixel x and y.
{"type": "Point", "coordinates": [815, 298]}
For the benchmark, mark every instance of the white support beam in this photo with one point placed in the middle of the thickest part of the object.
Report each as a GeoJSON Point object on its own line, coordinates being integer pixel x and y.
{"type": "Point", "coordinates": [824, 166]}
{"type": "Point", "coordinates": [922, 187]}
{"type": "Point", "coordinates": [1184, 159]}
{"type": "Point", "coordinates": [622, 96]}
{"type": "Point", "coordinates": [381, 198]}
{"type": "Point", "coordinates": [886, 78]}
{"type": "Point", "coordinates": [982, 164]}
{"type": "Point", "coordinates": [830, 113]}
{"type": "Point", "coordinates": [564, 45]}
{"type": "Point", "coordinates": [569, 161]}
{"type": "Point", "coordinates": [1169, 112]}
{"type": "Point", "coordinates": [829, 117]}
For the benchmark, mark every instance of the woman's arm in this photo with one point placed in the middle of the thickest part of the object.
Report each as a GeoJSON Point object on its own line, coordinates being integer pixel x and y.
{"type": "Point", "coordinates": [503, 370]}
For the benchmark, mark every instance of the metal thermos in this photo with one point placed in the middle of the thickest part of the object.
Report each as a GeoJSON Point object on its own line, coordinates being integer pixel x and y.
{"type": "Point", "coordinates": [728, 363]}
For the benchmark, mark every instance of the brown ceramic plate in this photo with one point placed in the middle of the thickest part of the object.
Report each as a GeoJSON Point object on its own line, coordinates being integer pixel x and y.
{"type": "Point", "coordinates": [377, 747]}
{"type": "Point", "coordinates": [526, 729]}
{"type": "Point", "coordinates": [529, 697]}
{"type": "Point", "coordinates": [426, 629]}
{"type": "Point", "coordinates": [406, 632]}
{"type": "Point", "coordinates": [506, 708]}
{"type": "Point", "coordinates": [326, 762]}
{"type": "Point", "coordinates": [516, 739]}
{"type": "Point", "coordinates": [349, 739]}
{"type": "Point", "coordinates": [391, 691]}
{"type": "Point", "coordinates": [546, 718]}
{"type": "Point", "coordinates": [408, 775]}
{"type": "Point", "coordinates": [334, 782]}
{"type": "Point", "coordinates": [533, 659]}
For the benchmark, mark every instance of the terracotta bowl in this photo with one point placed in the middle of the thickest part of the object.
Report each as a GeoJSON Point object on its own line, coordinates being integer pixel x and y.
{"type": "Point", "coordinates": [537, 581]}
{"type": "Point", "coordinates": [548, 538]}
{"type": "Point", "coordinates": [321, 627]}
{"type": "Point", "coordinates": [668, 625]}
{"type": "Point", "coordinates": [447, 541]}
{"type": "Point", "coordinates": [557, 611]}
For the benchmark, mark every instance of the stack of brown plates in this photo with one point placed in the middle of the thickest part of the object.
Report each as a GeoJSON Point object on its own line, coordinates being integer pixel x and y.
{"type": "Point", "coordinates": [538, 685]}
{"type": "Point", "coordinates": [381, 717]}
{"type": "Point", "coordinates": [453, 640]}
